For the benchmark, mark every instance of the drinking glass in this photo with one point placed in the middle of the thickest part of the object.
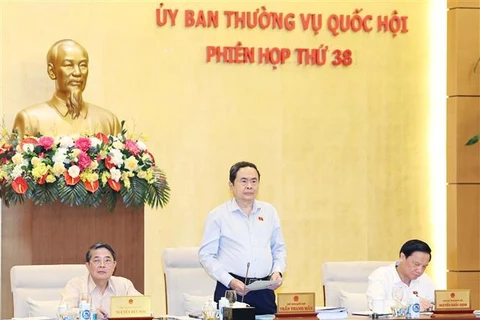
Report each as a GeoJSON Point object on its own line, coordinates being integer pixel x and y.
{"type": "Point", "coordinates": [231, 296]}
{"type": "Point", "coordinates": [397, 296]}
{"type": "Point", "coordinates": [85, 297]}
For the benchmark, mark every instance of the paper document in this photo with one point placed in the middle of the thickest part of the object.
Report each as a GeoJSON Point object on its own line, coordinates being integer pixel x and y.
{"type": "Point", "coordinates": [332, 314]}
{"type": "Point", "coordinates": [329, 309]}
{"type": "Point", "coordinates": [34, 318]}
{"type": "Point", "coordinates": [369, 313]}
{"type": "Point", "coordinates": [262, 284]}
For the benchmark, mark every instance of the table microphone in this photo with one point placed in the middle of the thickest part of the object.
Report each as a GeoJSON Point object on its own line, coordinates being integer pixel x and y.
{"type": "Point", "coordinates": [246, 277]}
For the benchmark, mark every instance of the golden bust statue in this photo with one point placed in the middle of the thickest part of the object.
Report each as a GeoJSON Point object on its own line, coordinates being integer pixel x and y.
{"type": "Point", "coordinates": [66, 113]}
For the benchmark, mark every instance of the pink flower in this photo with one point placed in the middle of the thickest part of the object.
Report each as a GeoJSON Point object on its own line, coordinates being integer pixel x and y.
{"type": "Point", "coordinates": [131, 146]}
{"type": "Point", "coordinates": [83, 143]}
{"type": "Point", "coordinates": [84, 160]}
{"type": "Point", "coordinates": [46, 142]}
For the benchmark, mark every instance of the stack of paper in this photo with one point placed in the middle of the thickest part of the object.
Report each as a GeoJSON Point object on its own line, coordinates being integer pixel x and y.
{"type": "Point", "coordinates": [331, 313]}
{"type": "Point", "coordinates": [33, 318]}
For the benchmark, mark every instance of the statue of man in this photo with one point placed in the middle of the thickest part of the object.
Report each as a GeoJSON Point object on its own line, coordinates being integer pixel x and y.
{"type": "Point", "coordinates": [66, 112]}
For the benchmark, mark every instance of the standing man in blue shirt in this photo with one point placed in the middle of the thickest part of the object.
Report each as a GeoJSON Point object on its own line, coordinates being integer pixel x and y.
{"type": "Point", "coordinates": [242, 234]}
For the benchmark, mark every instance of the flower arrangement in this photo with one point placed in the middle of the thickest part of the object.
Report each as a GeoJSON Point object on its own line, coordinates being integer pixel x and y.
{"type": "Point", "coordinates": [80, 170]}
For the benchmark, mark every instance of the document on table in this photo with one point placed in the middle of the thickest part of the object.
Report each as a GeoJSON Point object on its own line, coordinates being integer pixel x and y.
{"type": "Point", "coordinates": [262, 284]}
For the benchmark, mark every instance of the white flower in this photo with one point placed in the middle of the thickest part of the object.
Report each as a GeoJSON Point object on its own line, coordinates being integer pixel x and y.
{"type": "Point", "coordinates": [115, 174]}
{"type": "Point", "coordinates": [131, 163]}
{"type": "Point", "coordinates": [74, 171]}
{"type": "Point", "coordinates": [95, 142]}
{"type": "Point", "coordinates": [66, 142]}
{"type": "Point", "coordinates": [116, 156]}
{"type": "Point", "coordinates": [141, 145]}
{"type": "Point", "coordinates": [17, 171]}
{"type": "Point", "coordinates": [60, 155]}
{"type": "Point", "coordinates": [28, 147]}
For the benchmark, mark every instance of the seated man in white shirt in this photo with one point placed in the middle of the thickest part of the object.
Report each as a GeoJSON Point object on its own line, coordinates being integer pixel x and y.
{"type": "Point", "coordinates": [99, 285]}
{"type": "Point", "coordinates": [407, 274]}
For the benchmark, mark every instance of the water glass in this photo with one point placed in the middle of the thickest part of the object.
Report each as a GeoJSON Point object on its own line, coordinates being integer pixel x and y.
{"type": "Point", "coordinates": [397, 294]}
{"type": "Point", "coordinates": [398, 308]}
{"type": "Point", "coordinates": [231, 296]}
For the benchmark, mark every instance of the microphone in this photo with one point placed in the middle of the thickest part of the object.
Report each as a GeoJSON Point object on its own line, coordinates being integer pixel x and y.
{"type": "Point", "coordinates": [246, 277]}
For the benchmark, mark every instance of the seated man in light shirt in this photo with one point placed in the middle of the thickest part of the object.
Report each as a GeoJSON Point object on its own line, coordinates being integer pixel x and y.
{"type": "Point", "coordinates": [407, 274]}
{"type": "Point", "coordinates": [100, 284]}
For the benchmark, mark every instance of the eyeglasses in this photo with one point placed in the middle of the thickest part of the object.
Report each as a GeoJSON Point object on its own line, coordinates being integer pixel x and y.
{"type": "Point", "coordinates": [106, 262]}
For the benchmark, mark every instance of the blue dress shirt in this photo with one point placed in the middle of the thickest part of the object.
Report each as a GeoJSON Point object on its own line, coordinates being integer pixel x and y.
{"type": "Point", "coordinates": [231, 239]}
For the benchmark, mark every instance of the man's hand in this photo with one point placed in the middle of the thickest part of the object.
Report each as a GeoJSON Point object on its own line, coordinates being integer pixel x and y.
{"type": "Point", "coordinates": [425, 305]}
{"type": "Point", "coordinates": [238, 286]}
{"type": "Point", "coordinates": [275, 277]}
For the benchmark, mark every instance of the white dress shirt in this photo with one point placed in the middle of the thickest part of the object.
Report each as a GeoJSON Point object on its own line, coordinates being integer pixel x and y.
{"type": "Point", "coordinates": [231, 239]}
{"type": "Point", "coordinates": [382, 280]}
{"type": "Point", "coordinates": [76, 287]}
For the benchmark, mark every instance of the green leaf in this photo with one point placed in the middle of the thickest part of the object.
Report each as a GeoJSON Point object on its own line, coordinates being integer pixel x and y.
{"type": "Point", "coordinates": [157, 194]}
{"type": "Point", "coordinates": [72, 195]}
{"type": "Point", "coordinates": [42, 194]}
{"type": "Point", "coordinates": [111, 197]}
{"type": "Point", "coordinates": [135, 195]}
{"type": "Point", "coordinates": [473, 140]}
{"type": "Point", "coordinates": [93, 199]}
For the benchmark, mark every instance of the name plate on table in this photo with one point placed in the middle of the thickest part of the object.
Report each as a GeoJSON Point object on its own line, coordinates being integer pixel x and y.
{"type": "Point", "coordinates": [452, 300]}
{"type": "Point", "coordinates": [297, 303]}
{"type": "Point", "coordinates": [130, 307]}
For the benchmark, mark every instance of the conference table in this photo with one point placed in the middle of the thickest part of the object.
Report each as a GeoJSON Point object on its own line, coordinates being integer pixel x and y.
{"type": "Point", "coordinates": [442, 316]}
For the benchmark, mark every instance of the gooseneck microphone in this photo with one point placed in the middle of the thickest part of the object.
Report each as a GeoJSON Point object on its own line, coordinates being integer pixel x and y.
{"type": "Point", "coordinates": [246, 278]}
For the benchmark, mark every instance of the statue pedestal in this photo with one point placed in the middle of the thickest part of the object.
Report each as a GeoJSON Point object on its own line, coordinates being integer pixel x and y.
{"type": "Point", "coordinates": [59, 234]}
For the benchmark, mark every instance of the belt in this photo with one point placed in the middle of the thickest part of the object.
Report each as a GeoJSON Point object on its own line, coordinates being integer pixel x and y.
{"type": "Point", "coordinates": [249, 280]}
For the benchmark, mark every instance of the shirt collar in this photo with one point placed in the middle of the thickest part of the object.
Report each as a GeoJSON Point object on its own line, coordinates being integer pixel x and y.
{"type": "Point", "coordinates": [92, 286]}
{"type": "Point", "coordinates": [233, 206]}
{"type": "Point", "coordinates": [61, 106]}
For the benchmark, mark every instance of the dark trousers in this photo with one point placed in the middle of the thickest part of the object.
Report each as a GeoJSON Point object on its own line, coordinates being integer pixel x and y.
{"type": "Point", "coordinates": [262, 300]}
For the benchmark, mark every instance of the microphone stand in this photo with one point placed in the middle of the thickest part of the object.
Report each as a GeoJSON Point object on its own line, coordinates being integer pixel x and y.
{"type": "Point", "coordinates": [246, 277]}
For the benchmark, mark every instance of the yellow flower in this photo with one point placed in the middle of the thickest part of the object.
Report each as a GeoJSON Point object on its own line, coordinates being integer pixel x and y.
{"type": "Point", "coordinates": [50, 178]}
{"type": "Point", "coordinates": [118, 145]}
{"type": "Point", "coordinates": [105, 176]}
{"type": "Point", "coordinates": [35, 161]}
{"type": "Point", "coordinates": [76, 152]}
{"type": "Point", "coordinates": [18, 158]}
{"type": "Point", "coordinates": [150, 177]}
{"type": "Point", "coordinates": [40, 170]}
{"type": "Point", "coordinates": [143, 137]}
{"type": "Point", "coordinates": [94, 165]}
{"type": "Point", "coordinates": [89, 175]}
{"type": "Point", "coordinates": [103, 154]}
{"type": "Point", "coordinates": [3, 174]}
{"type": "Point", "coordinates": [126, 178]}
{"type": "Point", "coordinates": [131, 163]}
{"type": "Point", "coordinates": [58, 168]}
{"type": "Point", "coordinates": [142, 174]}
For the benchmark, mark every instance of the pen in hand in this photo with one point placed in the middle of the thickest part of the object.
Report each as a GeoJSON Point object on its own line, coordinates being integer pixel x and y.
{"type": "Point", "coordinates": [104, 314]}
